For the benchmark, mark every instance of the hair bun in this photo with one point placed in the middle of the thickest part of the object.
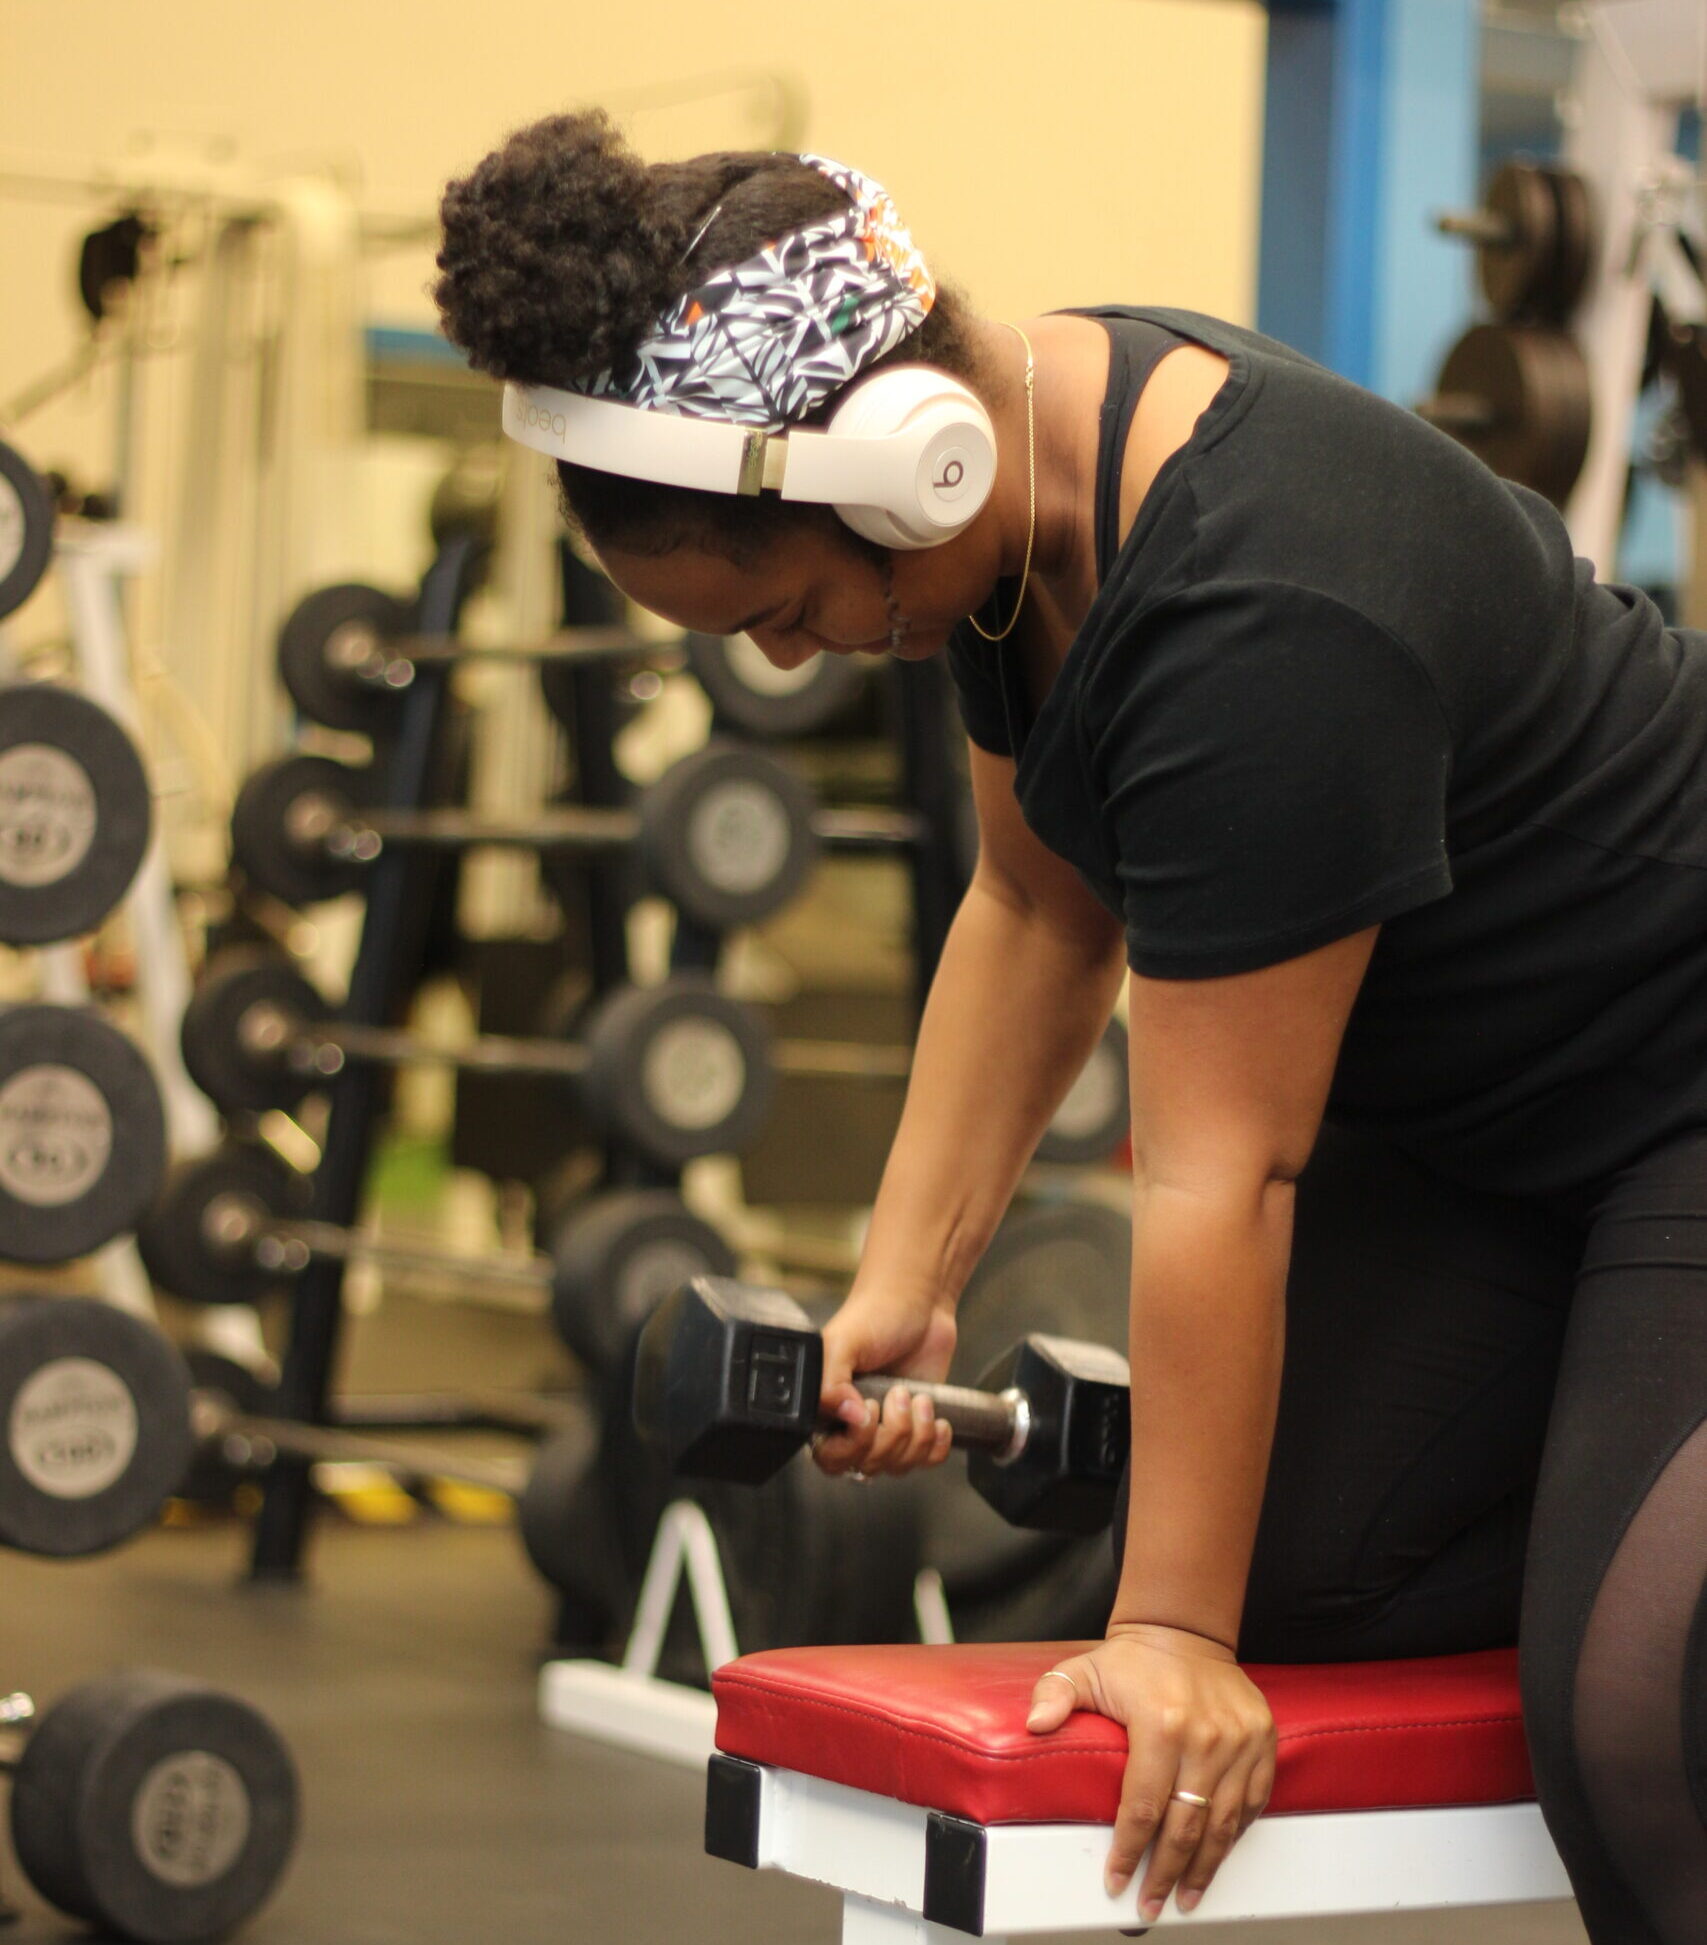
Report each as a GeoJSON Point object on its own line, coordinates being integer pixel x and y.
{"type": "Point", "coordinates": [557, 257]}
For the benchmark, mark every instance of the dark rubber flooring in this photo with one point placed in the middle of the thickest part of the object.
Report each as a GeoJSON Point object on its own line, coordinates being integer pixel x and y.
{"type": "Point", "coordinates": [436, 1808]}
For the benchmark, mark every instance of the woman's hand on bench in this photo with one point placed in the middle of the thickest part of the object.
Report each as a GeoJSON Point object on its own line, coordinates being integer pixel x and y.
{"type": "Point", "coordinates": [1194, 1721]}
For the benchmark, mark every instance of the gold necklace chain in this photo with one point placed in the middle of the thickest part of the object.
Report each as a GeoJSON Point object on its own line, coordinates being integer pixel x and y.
{"type": "Point", "coordinates": [1031, 489]}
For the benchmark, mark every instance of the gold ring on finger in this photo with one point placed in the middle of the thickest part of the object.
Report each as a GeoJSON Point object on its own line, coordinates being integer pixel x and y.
{"type": "Point", "coordinates": [1191, 1796]}
{"type": "Point", "coordinates": [860, 1478]}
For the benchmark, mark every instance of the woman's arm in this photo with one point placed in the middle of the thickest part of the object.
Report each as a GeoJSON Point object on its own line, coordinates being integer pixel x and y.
{"type": "Point", "coordinates": [1229, 1081]}
{"type": "Point", "coordinates": [1028, 978]}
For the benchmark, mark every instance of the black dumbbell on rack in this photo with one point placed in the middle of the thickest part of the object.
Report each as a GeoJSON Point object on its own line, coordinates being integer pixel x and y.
{"type": "Point", "coordinates": [347, 654]}
{"type": "Point", "coordinates": [74, 813]}
{"type": "Point", "coordinates": [233, 1226]}
{"type": "Point", "coordinates": [103, 1423]}
{"type": "Point", "coordinates": [95, 1409]}
{"type": "Point", "coordinates": [727, 1380]}
{"type": "Point", "coordinates": [727, 834]}
{"type": "Point", "coordinates": [677, 1070]}
{"type": "Point", "coordinates": [150, 1806]}
{"type": "Point", "coordinates": [26, 529]}
{"type": "Point", "coordinates": [82, 1133]}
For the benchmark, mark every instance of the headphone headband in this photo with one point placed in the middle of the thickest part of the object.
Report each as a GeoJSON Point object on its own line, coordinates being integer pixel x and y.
{"type": "Point", "coordinates": [910, 445]}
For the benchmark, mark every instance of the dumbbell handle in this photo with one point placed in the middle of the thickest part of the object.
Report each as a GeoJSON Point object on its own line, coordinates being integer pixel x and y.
{"type": "Point", "coordinates": [289, 1245]}
{"type": "Point", "coordinates": [581, 827]}
{"type": "Point", "coordinates": [998, 1421]}
{"type": "Point", "coordinates": [577, 827]}
{"type": "Point", "coordinates": [216, 1422]}
{"type": "Point", "coordinates": [567, 645]}
{"type": "Point", "coordinates": [323, 1049]}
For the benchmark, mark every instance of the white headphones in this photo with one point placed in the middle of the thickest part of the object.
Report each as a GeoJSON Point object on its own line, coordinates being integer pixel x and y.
{"type": "Point", "coordinates": [908, 459]}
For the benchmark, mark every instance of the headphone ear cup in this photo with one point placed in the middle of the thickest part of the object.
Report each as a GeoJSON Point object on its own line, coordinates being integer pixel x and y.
{"type": "Point", "coordinates": [884, 530]}
{"type": "Point", "coordinates": [944, 452]}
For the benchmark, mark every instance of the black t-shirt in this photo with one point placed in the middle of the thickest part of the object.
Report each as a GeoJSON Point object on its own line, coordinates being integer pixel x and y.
{"type": "Point", "coordinates": [1337, 674]}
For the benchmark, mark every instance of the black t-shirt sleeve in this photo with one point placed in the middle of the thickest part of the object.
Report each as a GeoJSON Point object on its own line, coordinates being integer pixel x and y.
{"type": "Point", "coordinates": [1273, 766]}
{"type": "Point", "coordinates": [978, 689]}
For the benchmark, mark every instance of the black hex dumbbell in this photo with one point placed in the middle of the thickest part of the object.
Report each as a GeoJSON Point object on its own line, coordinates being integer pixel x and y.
{"type": "Point", "coordinates": [728, 1378]}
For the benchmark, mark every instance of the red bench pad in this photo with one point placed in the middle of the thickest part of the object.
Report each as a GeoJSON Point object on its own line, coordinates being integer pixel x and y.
{"type": "Point", "coordinates": [945, 1728]}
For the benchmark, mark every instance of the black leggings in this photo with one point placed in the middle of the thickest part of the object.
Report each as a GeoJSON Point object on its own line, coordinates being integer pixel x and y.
{"type": "Point", "coordinates": [1493, 1429]}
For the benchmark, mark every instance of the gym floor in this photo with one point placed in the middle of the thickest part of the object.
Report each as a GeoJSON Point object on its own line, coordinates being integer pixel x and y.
{"type": "Point", "coordinates": [438, 1811]}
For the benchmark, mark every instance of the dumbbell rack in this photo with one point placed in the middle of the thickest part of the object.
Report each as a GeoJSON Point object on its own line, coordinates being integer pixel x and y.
{"type": "Point", "coordinates": [399, 894]}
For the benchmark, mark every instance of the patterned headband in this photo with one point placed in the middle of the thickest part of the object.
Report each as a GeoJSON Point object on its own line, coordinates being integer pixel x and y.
{"type": "Point", "coordinates": [766, 341]}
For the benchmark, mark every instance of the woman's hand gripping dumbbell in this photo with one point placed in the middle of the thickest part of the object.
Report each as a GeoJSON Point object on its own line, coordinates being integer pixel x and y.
{"type": "Point", "coordinates": [729, 1381]}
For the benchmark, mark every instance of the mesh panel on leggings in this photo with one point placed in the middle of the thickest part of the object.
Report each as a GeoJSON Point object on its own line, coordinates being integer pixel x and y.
{"type": "Point", "coordinates": [1611, 1638]}
{"type": "Point", "coordinates": [1633, 1742]}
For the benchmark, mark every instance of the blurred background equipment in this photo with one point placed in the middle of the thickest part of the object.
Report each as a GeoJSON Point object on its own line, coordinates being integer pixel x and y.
{"type": "Point", "coordinates": [544, 957]}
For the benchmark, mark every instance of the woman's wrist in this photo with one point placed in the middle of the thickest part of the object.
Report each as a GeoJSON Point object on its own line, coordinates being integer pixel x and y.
{"type": "Point", "coordinates": [1169, 1637]}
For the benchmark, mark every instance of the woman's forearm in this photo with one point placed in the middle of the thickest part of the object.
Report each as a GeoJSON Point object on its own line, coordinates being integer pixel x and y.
{"type": "Point", "coordinates": [1014, 1011]}
{"type": "Point", "coordinates": [1206, 1342]}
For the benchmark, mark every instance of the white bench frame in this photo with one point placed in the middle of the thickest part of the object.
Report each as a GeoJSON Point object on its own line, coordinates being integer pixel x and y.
{"type": "Point", "coordinates": [911, 1876]}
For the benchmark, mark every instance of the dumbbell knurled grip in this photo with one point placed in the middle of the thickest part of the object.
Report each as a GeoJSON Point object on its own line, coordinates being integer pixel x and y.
{"type": "Point", "coordinates": [981, 1418]}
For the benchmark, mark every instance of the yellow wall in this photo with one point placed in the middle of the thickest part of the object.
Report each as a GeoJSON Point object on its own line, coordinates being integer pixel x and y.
{"type": "Point", "coordinates": [1089, 150]}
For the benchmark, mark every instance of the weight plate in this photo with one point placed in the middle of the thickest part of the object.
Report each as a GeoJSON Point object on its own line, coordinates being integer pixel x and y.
{"type": "Point", "coordinates": [565, 1527]}
{"type": "Point", "coordinates": [26, 529]}
{"type": "Point", "coordinates": [179, 1236]}
{"type": "Point", "coordinates": [75, 813]}
{"type": "Point", "coordinates": [327, 630]}
{"type": "Point", "coordinates": [617, 1257]}
{"type": "Point", "coordinates": [679, 1070]}
{"type": "Point", "coordinates": [1534, 385]}
{"type": "Point", "coordinates": [233, 987]}
{"type": "Point", "coordinates": [94, 1425]}
{"type": "Point", "coordinates": [269, 841]}
{"type": "Point", "coordinates": [1516, 274]}
{"type": "Point", "coordinates": [1094, 1118]}
{"type": "Point", "coordinates": [82, 1133]}
{"type": "Point", "coordinates": [727, 834]}
{"type": "Point", "coordinates": [749, 693]}
{"type": "Point", "coordinates": [1574, 253]}
{"type": "Point", "coordinates": [161, 1809]}
{"type": "Point", "coordinates": [1064, 1268]}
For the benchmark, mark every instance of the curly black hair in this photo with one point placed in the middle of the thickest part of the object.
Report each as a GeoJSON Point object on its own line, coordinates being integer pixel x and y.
{"type": "Point", "coordinates": [561, 251]}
